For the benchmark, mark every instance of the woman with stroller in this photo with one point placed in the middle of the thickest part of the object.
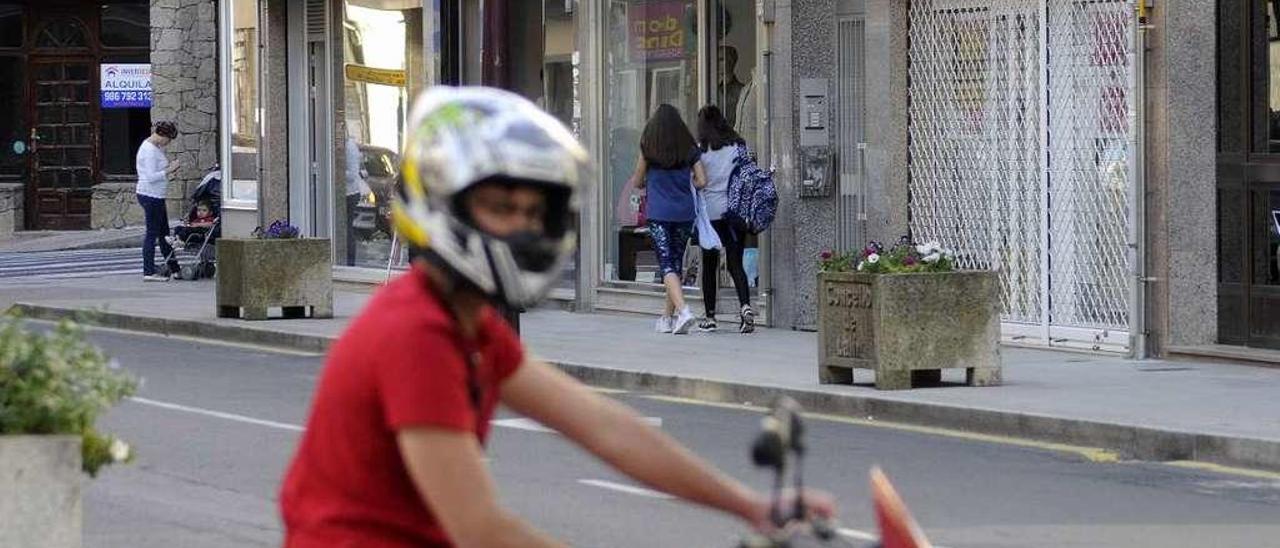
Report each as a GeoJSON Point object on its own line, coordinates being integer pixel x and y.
{"type": "Point", "coordinates": [154, 171]}
{"type": "Point", "coordinates": [721, 146]}
{"type": "Point", "coordinates": [668, 163]}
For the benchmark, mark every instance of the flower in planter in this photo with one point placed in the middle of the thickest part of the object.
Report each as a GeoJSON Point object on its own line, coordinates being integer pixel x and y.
{"type": "Point", "coordinates": [905, 257]}
{"type": "Point", "coordinates": [279, 230]}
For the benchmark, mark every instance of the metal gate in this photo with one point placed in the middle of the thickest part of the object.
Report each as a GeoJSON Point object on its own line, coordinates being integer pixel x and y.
{"type": "Point", "coordinates": [850, 134]}
{"type": "Point", "coordinates": [1022, 145]}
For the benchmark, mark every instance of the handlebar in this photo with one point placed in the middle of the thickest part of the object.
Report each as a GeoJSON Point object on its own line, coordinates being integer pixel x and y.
{"type": "Point", "coordinates": [781, 441]}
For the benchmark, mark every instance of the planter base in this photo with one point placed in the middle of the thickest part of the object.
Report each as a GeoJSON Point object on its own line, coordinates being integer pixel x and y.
{"type": "Point", "coordinates": [904, 379]}
{"type": "Point", "coordinates": [286, 312]}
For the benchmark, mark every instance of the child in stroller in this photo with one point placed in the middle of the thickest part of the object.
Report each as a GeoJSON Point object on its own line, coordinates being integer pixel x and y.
{"type": "Point", "coordinates": [200, 229]}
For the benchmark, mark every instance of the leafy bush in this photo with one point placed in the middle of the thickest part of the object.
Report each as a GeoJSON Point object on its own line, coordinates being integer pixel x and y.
{"type": "Point", "coordinates": [58, 383]}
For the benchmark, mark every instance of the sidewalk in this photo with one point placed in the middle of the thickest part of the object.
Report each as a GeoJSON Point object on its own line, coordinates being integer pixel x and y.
{"type": "Point", "coordinates": [1161, 410]}
{"type": "Point", "coordinates": [49, 240]}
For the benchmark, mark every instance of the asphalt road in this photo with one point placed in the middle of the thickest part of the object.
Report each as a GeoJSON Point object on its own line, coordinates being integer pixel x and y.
{"type": "Point", "coordinates": [215, 426]}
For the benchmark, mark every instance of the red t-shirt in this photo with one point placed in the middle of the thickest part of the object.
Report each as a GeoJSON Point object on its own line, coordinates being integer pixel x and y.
{"type": "Point", "coordinates": [401, 363]}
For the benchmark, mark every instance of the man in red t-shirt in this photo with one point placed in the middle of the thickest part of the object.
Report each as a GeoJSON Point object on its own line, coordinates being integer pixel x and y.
{"type": "Point", "coordinates": [393, 452]}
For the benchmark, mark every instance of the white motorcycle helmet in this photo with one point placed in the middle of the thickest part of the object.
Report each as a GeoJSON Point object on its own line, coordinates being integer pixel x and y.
{"type": "Point", "coordinates": [461, 137]}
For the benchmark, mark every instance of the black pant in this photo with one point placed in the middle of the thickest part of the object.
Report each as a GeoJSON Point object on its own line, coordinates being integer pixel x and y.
{"type": "Point", "coordinates": [734, 241]}
{"type": "Point", "coordinates": [157, 220]}
{"type": "Point", "coordinates": [353, 200]}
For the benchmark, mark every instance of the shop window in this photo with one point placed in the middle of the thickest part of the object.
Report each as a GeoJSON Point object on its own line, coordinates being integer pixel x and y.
{"type": "Point", "coordinates": [1267, 54]}
{"type": "Point", "coordinates": [122, 130]}
{"type": "Point", "coordinates": [126, 26]}
{"type": "Point", "coordinates": [246, 123]}
{"type": "Point", "coordinates": [14, 143]}
{"type": "Point", "coordinates": [11, 29]}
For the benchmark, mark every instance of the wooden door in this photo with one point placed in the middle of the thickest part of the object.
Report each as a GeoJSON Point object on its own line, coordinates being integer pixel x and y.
{"type": "Point", "coordinates": [64, 136]}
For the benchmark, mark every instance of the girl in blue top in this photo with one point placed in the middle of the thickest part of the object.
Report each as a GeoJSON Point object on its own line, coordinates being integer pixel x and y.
{"type": "Point", "coordinates": [668, 163]}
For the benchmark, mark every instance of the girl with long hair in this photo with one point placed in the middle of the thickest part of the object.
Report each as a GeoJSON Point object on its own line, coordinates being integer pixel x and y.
{"type": "Point", "coordinates": [668, 163]}
{"type": "Point", "coordinates": [720, 147]}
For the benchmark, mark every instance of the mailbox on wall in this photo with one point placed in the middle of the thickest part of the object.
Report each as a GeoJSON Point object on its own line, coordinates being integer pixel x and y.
{"type": "Point", "coordinates": [814, 113]}
{"type": "Point", "coordinates": [815, 138]}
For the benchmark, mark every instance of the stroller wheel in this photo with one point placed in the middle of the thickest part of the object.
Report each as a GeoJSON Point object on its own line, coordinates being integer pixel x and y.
{"type": "Point", "coordinates": [189, 272]}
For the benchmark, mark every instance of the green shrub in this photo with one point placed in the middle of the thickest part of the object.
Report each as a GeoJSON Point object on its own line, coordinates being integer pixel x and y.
{"type": "Point", "coordinates": [58, 383]}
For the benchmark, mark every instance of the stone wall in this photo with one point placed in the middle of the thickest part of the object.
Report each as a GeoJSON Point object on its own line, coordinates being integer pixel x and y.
{"type": "Point", "coordinates": [11, 198]}
{"type": "Point", "coordinates": [115, 205]}
{"type": "Point", "coordinates": [184, 79]}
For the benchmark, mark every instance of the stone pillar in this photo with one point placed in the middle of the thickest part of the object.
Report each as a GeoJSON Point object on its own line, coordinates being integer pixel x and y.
{"type": "Point", "coordinates": [184, 81]}
{"type": "Point", "coordinates": [1181, 162]}
{"type": "Point", "coordinates": [273, 184]}
{"type": "Point", "coordinates": [886, 122]}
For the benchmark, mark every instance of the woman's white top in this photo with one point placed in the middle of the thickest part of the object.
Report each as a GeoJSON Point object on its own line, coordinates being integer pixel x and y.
{"type": "Point", "coordinates": [151, 165]}
{"type": "Point", "coordinates": [719, 166]}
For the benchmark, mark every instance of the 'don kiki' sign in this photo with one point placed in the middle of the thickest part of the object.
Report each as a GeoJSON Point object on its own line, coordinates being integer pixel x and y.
{"type": "Point", "coordinates": [657, 30]}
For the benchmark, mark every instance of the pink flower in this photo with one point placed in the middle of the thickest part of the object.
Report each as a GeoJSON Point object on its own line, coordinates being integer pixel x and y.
{"type": "Point", "coordinates": [826, 255]}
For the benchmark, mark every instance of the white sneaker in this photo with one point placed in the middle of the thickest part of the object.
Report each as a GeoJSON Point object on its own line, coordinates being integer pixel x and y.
{"type": "Point", "coordinates": [664, 324]}
{"type": "Point", "coordinates": [155, 278]}
{"type": "Point", "coordinates": [683, 321]}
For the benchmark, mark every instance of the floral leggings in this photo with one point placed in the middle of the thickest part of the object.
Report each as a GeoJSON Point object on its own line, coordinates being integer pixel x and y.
{"type": "Point", "coordinates": [669, 242]}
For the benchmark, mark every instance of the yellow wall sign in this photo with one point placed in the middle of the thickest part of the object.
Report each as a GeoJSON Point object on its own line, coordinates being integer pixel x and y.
{"type": "Point", "coordinates": [370, 75]}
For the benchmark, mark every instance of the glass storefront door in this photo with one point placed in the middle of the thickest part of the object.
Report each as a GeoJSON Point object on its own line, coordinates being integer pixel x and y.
{"type": "Point", "coordinates": [652, 56]}
{"type": "Point", "coordinates": [382, 67]}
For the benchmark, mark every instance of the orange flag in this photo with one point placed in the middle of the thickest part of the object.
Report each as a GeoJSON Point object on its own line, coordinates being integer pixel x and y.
{"type": "Point", "coordinates": [897, 528]}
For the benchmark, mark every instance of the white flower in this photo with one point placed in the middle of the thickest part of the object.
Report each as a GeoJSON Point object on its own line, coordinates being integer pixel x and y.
{"type": "Point", "coordinates": [873, 258]}
{"type": "Point", "coordinates": [932, 257]}
{"type": "Point", "coordinates": [120, 450]}
{"type": "Point", "coordinates": [861, 265]}
{"type": "Point", "coordinates": [929, 248]}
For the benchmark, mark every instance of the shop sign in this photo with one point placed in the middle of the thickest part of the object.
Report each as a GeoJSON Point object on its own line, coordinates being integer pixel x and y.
{"type": "Point", "coordinates": [657, 30]}
{"type": "Point", "coordinates": [125, 85]}
{"type": "Point", "coordinates": [370, 75]}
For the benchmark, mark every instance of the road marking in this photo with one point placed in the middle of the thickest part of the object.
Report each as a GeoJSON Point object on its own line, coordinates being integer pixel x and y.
{"type": "Point", "coordinates": [518, 423]}
{"type": "Point", "coordinates": [1092, 454]}
{"type": "Point", "coordinates": [1221, 469]}
{"type": "Point", "coordinates": [624, 488]}
{"type": "Point", "coordinates": [856, 534]}
{"type": "Point", "coordinates": [534, 426]}
{"type": "Point", "coordinates": [218, 414]}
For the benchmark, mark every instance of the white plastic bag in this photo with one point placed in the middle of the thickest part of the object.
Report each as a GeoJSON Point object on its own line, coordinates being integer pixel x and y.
{"type": "Point", "coordinates": [707, 237]}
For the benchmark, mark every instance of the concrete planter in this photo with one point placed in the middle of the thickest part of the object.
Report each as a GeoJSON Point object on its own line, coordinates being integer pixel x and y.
{"type": "Point", "coordinates": [255, 275]}
{"type": "Point", "coordinates": [40, 491]}
{"type": "Point", "coordinates": [909, 327]}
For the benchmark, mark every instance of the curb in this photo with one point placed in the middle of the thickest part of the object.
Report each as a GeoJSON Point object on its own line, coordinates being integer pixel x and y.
{"type": "Point", "coordinates": [1131, 441]}
{"type": "Point", "coordinates": [181, 328]}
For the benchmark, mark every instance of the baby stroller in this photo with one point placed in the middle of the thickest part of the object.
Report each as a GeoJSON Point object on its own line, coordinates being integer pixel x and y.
{"type": "Point", "coordinates": [197, 239]}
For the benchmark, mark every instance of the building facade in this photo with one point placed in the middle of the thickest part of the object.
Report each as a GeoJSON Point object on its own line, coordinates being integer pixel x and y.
{"type": "Point", "coordinates": [80, 83]}
{"type": "Point", "coordinates": [1106, 157]}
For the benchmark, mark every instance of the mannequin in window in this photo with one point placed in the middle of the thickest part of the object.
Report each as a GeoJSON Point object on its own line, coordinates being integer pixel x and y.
{"type": "Point", "coordinates": [744, 119]}
{"type": "Point", "coordinates": [728, 87]}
